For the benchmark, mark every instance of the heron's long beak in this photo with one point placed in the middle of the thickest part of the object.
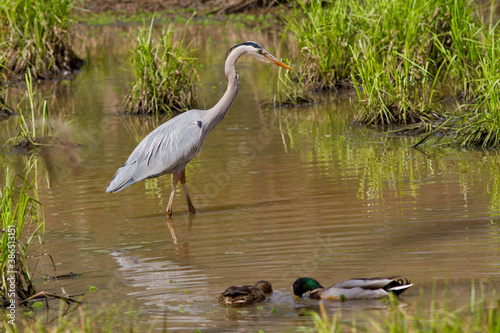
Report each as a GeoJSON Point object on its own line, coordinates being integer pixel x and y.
{"type": "Point", "coordinates": [272, 59]}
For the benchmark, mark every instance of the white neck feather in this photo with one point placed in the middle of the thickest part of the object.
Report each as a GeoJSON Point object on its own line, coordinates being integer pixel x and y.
{"type": "Point", "coordinates": [217, 113]}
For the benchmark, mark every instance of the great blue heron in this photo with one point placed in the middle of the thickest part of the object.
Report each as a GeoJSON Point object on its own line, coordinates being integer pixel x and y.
{"type": "Point", "coordinates": [169, 147]}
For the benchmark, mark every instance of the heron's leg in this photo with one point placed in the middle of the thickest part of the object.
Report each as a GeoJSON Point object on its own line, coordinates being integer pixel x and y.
{"type": "Point", "coordinates": [176, 176]}
{"type": "Point", "coordinates": [188, 199]}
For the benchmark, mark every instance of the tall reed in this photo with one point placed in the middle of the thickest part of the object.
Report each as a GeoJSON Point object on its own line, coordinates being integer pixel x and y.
{"type": "Point", "coordinates": [291, 90]}
{"type": "Point", "coordinates": [22, 224]}
{"type": "Point", "coordinates": [481, 124]}
{"type": "Point", "coordinates": [34, 128]}
{"type": "Point", "coordinates": [324, 33]}
{"type": "Point", "coordinates": [4, 109]}
{"type": "Point", "coordinates": [460, 42]}
{"type": "Point", "coordinates": [37, 37]}
{"type": "Point", "coordinates": [85, 318]}
{"type": "Point", "coordinates": [164, 71]}
{"type": "Point", "coordinates": [396, 79]}
{"type": "Point", "coordinates": [400, 55]}
{"type": "Point", "coordinates": [392, 87]}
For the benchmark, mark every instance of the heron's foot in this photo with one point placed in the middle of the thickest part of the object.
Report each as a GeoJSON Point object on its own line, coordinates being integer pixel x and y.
{"type": "Point", "coordinates": [169, 212]}
{"type": "Point", "coordinates": [192, 210]}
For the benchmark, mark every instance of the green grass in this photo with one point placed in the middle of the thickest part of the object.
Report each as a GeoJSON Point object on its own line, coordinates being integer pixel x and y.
{"type": "Point", "coordinates": [5, 110]}
{"type": "Point", "coordinates": [479, 315]}
{"type": "Point", "coordinates": [164, 72]}
{"type": "Point", "coordinates": [291, 91]}
{"type": "Point", "coordinates": [393, 88]}
{"type": "Point", "coordinates": [363, 43]}
{"type": "Point", "coordinates": [394, 76]}
{"type": "Point", "coordinates": [35, 40]}
{"type": "Point", "coordinates": [402, 57]}
{"type": "Point", "coordinates": [460, 42]}
{"type": "Point", "coordinates": [22, 224]}
{"type": "Point", "coordinates": [324, 33]}
{"type": "Point", "coordinates": [80, 318]}
{"type": "Point", "coordinates": [177, 16]}
{"type": "Point", "coordinates": [481, 124]}
{"type": "Point", "coordinates": [473, 74]}
{"type": "Point", "coordinates": [33, 128]}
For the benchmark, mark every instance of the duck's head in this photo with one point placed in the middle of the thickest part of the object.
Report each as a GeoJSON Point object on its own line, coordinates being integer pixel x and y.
{"type": "Point", "coordinates": [305, 284]}
{"type": "Point", "coordinates": [264, 286]}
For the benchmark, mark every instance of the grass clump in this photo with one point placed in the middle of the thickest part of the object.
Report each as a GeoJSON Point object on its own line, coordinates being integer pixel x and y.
{"type": "Point", "coordinates": [471, 51]}
{"type": "Point", "coordinates": [5, 110]}
{"type": "Point", "coordinates": [479, 315]}
{"type": "Point", "coordinates": [291, 91]}
{"type": "Point", "coordinates": [21, 214]}
{"type": "Point", "coordinates": [164, 74]}
{"type": "Point", "coordinates": [324, 32]}
{"type": "Point", "coordinates": [400, 55]}
{"type": "Point", "coordinates": [37, 38]}
{"type": "Point", "coordinates": [378, 47]}
{"type": "Point", "coordinates": [394, 75]}
{"type": "Point", "coordinates": [33, 128]}
{"type": "Point", "coordinates": [481, 124]}
{"type": "Point", "coordinates": [83, 318]}
{"type": "Point", "coordinates": [460, 43]}
{"type": "Point", "coordinates": [393, 88]}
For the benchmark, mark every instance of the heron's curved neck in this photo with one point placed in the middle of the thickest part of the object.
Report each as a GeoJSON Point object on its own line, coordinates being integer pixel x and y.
{"type": "Point", "coordinates": [217, 113]}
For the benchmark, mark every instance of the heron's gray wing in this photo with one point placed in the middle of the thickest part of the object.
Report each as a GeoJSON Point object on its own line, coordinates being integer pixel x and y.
{"type": "Point", "coordinates": [171, 145]}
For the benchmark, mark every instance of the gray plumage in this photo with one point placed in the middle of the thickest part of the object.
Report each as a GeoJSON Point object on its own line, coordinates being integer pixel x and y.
{"type": "Point", "coordinates": [169, 147]}
{"type": "Point", "coordinates": [165, 150]}
{"type": "Point", "coordinates": [352, 289]}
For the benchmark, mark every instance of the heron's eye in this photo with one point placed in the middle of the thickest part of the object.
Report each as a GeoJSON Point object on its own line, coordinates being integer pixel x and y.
{"type": "Point", "coordinates": [260, 52]}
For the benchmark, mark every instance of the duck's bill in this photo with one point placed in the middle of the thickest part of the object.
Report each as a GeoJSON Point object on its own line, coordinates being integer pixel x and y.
{"type": "Point", "coordinates": [270, 58]}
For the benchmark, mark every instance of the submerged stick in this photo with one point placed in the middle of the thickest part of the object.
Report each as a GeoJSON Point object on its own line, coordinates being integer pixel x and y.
{"type": "Point", "coordinates": [47, 295]}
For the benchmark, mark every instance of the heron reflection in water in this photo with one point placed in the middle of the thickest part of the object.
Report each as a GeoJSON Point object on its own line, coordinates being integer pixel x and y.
{"type": "Point", "coordinates": [172, 145]}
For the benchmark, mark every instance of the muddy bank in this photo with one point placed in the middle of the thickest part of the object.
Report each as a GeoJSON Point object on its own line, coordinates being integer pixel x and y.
{"type": "Point", "coordinates": [208, 6]}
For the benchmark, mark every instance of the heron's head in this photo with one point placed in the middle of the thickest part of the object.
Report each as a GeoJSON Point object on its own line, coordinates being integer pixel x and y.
{"type": "Point", "coordinates": [258, 52]}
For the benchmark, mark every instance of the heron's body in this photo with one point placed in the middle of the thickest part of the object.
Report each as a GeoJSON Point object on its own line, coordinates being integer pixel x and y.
{"type": "Point", "coordinates": [158, 154]}
{"type": "Point", "coordinates": [245, 295]}
{"type": "Point", "coordinates": [169, 148]}
{"type": "Point", "coordinates": [351, 289]}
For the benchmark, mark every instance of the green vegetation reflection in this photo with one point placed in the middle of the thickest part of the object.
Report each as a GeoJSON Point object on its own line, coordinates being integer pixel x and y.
{"type": "Point", "coordinates": [383, 166]}
{"type": "Point", "coordinates": [403, 58]}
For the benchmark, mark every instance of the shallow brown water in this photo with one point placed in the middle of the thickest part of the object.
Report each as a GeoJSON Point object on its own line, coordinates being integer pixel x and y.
{"type": "Point", "coordinates": [281, 193]}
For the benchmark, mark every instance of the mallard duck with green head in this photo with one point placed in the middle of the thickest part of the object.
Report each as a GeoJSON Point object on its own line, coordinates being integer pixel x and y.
{"type": "Point", "coordinates": [352, 289]}
{"type": "Point", "coordinates": [245, 295]}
